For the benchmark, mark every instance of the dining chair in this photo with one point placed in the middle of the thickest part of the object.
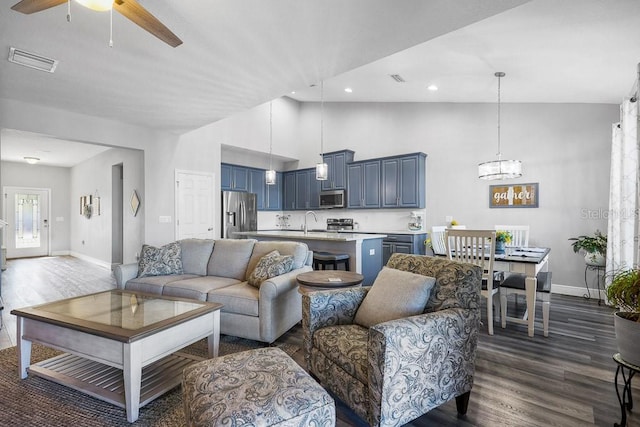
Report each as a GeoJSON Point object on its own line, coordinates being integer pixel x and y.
{"type": "Point", "coordinates": [519, 234]}
{"type": "Point", "coordinates": [514, 284]}
{"type": "Point", "coordinates": [437, 239]}
{"type": "Point", "coordinates": [476, 247]}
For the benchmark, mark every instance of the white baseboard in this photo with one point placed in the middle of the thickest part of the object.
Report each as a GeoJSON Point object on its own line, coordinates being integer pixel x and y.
{"type": "Point", "coordinates": [60, 253]}
{"type": "Point", "coordinates": [576, 291]}
{"type": "Point", "coordinates": [106, 265]}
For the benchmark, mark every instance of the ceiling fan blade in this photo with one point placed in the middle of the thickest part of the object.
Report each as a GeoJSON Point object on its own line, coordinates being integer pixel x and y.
{"type": "Point", "coordinates": [132, 10]}
{"type": "Point", "coordinates": [32, 6]}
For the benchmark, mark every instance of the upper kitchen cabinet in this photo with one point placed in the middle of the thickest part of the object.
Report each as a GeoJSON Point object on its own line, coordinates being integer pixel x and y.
{"type": "Point", "coordinates": [274, 197]}
{"type": "Point", "coordinates": [403, 181]}
{"type": "Point", "coordinates": [234, 177]}
{"type": "Point", "coordinates": [257, 185]}
{"type": "Point", "coordinates": [363, 184]}
{"type": "Point", "coordinates": [337, 164]}
{"type": "Point", "coordinates": [289, 197]}
{"type": "Point", "coordinates": [307, 189]}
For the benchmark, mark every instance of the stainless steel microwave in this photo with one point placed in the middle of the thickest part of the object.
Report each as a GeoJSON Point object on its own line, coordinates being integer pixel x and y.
{"type": "Point", "coordinates": [332, 199]}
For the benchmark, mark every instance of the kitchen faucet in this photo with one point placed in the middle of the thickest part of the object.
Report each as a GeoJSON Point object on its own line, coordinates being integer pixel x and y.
{"type": "Point", "coordinates": [305, 219]}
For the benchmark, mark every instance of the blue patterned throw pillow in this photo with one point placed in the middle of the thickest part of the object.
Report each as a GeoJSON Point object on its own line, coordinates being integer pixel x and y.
{"type": "Point", "coordinates": [160, 261]}
{"type": "Point", "coordinates": [271, 265]}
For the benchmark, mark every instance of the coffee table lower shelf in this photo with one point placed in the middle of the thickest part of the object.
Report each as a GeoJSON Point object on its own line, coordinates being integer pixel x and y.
{"type": "Point", "coordinates": [106, 383]}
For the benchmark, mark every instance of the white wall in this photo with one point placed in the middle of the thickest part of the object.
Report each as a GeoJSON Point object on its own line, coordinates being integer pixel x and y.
{"type": "Point", "coordinates": [57, 179]}
{"type": "Point", "coordinates": [91, 237]}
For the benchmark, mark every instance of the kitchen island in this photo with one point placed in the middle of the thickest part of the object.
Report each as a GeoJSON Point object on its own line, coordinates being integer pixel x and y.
{"type": "Point", "coordinates": [365, 250]}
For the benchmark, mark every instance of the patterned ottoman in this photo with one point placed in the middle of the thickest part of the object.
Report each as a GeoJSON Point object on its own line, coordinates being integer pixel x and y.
{"type": "Point", "coordinates": [262, 387]}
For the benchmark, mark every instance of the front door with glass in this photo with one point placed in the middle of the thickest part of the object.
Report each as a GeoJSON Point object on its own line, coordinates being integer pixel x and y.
{"type": "Point", "coordinates": [27, 212]}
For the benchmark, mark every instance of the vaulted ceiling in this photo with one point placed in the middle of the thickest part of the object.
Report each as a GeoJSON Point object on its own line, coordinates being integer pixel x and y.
{"type": "Point", "coordinates": [241, 53]}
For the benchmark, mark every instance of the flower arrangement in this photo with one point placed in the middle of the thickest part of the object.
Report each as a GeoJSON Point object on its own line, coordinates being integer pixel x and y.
{"type": "Point", "coordinates": [503, 236]}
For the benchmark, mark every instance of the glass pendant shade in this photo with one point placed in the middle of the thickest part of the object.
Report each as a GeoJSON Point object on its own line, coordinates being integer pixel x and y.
{"type": "Point", "coordinates": [97, 5]}
{"type": "Point", "coordinates": [322, 172]}
{"type": "Point", "coordinates": [270, 177]}
{"type": "Point", "coordinates": [500, 169]}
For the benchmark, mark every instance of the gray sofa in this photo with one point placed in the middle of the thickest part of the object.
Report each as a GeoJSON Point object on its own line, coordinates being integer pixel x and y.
{"type": "Point", "coordinates": [217, 271]}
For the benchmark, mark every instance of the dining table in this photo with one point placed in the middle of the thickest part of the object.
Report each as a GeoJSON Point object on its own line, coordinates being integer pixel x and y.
{"type": "Point", "coordinates": [528, 261]}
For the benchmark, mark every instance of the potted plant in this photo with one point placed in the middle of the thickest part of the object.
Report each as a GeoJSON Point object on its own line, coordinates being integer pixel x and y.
{"type": "Point", "coordinates": [502, 238]}
{"type": "Point", "coordinates": [624, 293]}
{"type": "Point", "coordinates": [594, 248]}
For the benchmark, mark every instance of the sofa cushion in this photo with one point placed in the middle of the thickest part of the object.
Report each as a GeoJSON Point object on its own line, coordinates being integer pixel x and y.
{"type": "Point", "coordinates": [160, 261]}
{"type": "Point", "coordinates": [230, 258]}
{"type": "Point", "coordinates": [395, 294]}
{"type": "Point", "coordinates": [271, 265]}
{"type": "Point", "coordinates": [346, 346]}
{"type": "Point", "coordinates": [296, 249]}
{"type": "Point", "coordinates": [195, 255]}
{"type": "Point", "coordinates": [154, 284]}
{"type": "Point", "coordinates": [196, 287]}
{"type": "Point", "coordinates": [241, 298]}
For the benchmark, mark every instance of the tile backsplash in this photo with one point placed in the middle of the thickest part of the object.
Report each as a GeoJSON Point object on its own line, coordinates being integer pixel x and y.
{"type": "Point", "coordinates": [367, 220]}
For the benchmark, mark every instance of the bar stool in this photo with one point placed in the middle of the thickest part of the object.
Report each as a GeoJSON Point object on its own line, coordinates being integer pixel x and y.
{"type": "Point", "coordinates": [329, 258]}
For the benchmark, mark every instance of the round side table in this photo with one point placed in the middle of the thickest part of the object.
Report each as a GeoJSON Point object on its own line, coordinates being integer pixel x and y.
{"type": "Point", "coordinates": [328, 279]}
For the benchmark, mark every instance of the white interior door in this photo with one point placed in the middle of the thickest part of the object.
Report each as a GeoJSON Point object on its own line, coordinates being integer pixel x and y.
{"type": "Point", "coordinates": [194, 205]}
{"type": "Point", "coordinates": [27, 212]}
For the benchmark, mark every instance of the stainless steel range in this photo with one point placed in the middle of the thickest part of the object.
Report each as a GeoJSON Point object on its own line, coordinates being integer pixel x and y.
{"type": "Point", "coordinates": [338, 224]}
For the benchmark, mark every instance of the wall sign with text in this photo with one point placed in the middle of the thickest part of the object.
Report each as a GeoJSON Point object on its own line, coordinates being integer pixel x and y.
{"type": "Point", "coordinates": [513, 196]}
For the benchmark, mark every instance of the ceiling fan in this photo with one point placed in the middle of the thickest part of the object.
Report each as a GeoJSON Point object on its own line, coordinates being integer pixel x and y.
{"type": "Point", "coordinates": [131, 10]}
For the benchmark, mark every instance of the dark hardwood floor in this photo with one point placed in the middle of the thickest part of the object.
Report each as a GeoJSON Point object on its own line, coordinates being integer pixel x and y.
{"type": "Point", "coordinates": [566, 379]}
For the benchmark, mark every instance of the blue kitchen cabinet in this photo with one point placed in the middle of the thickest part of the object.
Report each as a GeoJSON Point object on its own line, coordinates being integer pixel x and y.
{"type": "Point", "coordinates": [403, 181]}
{"type": "Point", "coordinates": [289, 187]}
{"type": "Point", "coordinates": [363, 188]}
{"type": "Point", "coordinates": [234, 177]}
{"type": "Point", "coordinates": [257, 186]}
{"type": "Point", "coordinates": [307, 189]}
{"type": "Point", "coordinates": [273, 193]}
{"type": "Point", "coordinates": [337, 162]}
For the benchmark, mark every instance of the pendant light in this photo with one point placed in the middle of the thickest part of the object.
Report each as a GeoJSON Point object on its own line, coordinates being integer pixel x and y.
{"type": "Point", "coordinates": [322, 170]}
{"type": "Point", "coordinates": [500, 169]}
{"type": "Point", "coordinates": [270, 175]}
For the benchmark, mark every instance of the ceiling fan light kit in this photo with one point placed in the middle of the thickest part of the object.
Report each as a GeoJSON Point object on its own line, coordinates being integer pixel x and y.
{"type": "Point", "coordinates": [130, 9]}
{"type": "Point", "coordinates": [499, 169]}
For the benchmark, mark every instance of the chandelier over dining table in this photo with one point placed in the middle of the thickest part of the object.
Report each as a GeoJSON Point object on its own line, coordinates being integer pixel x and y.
{"type": "Point", "coordinates": [499, 169]}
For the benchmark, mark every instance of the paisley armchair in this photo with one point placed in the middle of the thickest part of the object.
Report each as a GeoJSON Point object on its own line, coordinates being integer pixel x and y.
{"type": "Point", "coordinates": [395, 371]}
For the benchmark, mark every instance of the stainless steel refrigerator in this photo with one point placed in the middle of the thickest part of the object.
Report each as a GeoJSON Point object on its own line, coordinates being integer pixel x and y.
{"type": "Point", "coordinates": [239, 213]}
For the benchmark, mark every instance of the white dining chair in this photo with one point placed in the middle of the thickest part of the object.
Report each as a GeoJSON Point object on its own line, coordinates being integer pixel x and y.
{"type": "Point", "coordinates": [519, 234]}
{"type": "Point", "coordinates": [437, 240]}
{"type": "Point", "coordinates": [476, 247]}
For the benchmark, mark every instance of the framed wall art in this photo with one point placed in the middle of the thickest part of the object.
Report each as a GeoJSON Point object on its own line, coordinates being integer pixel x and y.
{"type": "Point", "coordinates": [135, 203]}
{"type": "Point", "coordinates": [514, 196]}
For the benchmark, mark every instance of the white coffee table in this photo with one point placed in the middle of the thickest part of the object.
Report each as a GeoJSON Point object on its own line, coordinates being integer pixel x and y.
{"type": "Point", "coordinates": [121, 347]}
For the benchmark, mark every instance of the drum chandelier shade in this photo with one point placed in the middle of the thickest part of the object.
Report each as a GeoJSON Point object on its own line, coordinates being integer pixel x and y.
{"type": "Point", "coordinates": [322, 170]}
{"type": "Point", "coordinates": [500, 169]}
{"type": "Point", "coordinates": [270, 175]}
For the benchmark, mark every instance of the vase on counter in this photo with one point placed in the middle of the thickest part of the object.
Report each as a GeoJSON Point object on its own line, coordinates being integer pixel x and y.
{"type": "Point", "coordinates": [500, 247]}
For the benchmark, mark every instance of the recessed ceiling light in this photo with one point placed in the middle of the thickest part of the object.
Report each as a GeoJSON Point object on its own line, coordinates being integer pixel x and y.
{"type": "Point", "coordinates": [348, 89]}
{"type": "Point", "coordinates": [32, 160]}
{"type": "Point", "coordinates": [293, 92]}
{"type": "Point", "coordinates": [432, 88]}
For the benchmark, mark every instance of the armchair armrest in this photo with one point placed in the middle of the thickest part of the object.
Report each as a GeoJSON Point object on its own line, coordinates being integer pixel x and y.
{"type": "Point", "coordinates": [327, 308]}
{"type": "Point", "coordinates": [419, 362]}
{"type": "Point", "coordinates": [124, 273]}
{"type": "Point", "coordinates": [271, 288]}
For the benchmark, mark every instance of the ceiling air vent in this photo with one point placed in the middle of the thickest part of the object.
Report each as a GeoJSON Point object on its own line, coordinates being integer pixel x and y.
{"type": "Point", "coordinates": [32, 60]}
{"type": "Point", "coordinates": [397, 77]}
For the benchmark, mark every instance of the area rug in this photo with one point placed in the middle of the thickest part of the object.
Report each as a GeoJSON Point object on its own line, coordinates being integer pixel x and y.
{"type": "Point", "coordinates": [39, 402]}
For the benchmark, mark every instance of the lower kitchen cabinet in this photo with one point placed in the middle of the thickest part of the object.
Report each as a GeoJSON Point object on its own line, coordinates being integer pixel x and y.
{"type": "Point", "coordinates": [404, 244]}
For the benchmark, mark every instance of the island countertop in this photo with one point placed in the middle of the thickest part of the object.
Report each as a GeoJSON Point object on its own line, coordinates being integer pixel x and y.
{"type": "Point", "coordinates": [311, 235]}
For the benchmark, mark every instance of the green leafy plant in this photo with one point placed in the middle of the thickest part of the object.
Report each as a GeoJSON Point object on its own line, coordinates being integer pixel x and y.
{"type": "Point", "coordinates": [590, 244]}
{"type": "Point", "coordinates": [503, 236]}
{"type": "Point", "coordinates": [624, 291]}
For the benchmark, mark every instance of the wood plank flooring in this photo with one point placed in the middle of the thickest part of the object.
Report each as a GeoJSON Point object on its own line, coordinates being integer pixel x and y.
{"type": "Point", "coordinates": [566, 379]}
